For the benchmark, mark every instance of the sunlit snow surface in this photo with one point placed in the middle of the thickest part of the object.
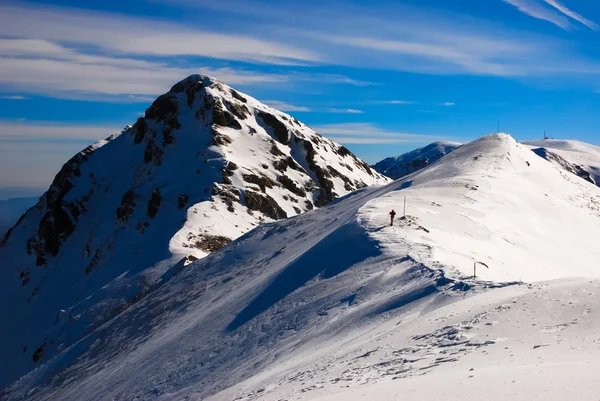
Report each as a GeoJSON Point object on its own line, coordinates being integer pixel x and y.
{"type": "Point", "coordinates": [336, 304]}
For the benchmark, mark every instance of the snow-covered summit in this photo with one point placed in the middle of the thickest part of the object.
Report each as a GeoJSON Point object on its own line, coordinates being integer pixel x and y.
{"type": "Point", "coordinates": [203, 166]}
{"type": "Point", "coordinates": [336, 298]}
{"type": "Point", "coordinates": [580, 158]}
{"type": "Point", "coordinates": [407, 163]}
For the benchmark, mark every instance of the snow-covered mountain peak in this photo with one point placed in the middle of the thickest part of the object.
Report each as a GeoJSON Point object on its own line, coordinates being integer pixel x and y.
{"type": "Point", "coordinates": [205, 165]}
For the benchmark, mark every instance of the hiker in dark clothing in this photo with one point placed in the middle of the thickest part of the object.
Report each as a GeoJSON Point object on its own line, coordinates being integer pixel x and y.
{"type": "Point", "coordinates": [392, 215]}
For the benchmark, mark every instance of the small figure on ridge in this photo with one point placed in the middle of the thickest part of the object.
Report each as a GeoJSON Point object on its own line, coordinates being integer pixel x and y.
{"type": "Point", "coordinates": [392, 215]}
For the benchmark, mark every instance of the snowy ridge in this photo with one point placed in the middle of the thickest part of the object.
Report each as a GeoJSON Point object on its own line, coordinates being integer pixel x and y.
{"type": "Point", "coordinates": [329, 300]}
{"type": "Point", "coordinates": [580, 158]}
{"type": "Point", "coordinates": [407, 163]}
{"type": "Point", "coordinates": [204, 166]}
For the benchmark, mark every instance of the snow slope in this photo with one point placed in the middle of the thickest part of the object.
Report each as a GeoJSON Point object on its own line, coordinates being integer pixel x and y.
{"type": "Point", "coordinates": [333, 299]}
{"type": "Point", "coordinates": [580, 158]}
{"type": "Point", "coordinates": [400, 166]}
{"type": "Point", "coordinates": [205, 165]}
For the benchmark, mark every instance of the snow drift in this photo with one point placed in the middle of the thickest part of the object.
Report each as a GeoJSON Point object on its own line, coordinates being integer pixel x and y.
{"type": "Point", "coordinates": [336, 297]}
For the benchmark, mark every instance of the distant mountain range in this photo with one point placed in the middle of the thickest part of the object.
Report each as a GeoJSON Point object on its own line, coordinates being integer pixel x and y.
{"type": "Point", "coordinates": [12, 209]}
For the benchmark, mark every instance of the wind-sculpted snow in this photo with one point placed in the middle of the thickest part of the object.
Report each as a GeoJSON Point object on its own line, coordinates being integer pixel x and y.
{"type": "Point", "coordinates": [335, 298]}
{"type": "Point", "coordinates": [205, 165]}
{"type": "Point", "coordinates": [582, 159]}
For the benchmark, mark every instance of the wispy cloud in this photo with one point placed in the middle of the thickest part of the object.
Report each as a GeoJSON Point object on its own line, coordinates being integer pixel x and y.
{"type": "Point", "coordinates": [24, 130]}
{"type": "Point", "coordinates": [535, 9]}
{"type": "Point", "coordinates": [344, 111]}
{"type": "Point", "coordinates": [397, 102]}
{"type": "Point", "coordinates": [87, 54]}
{"type": "Point", "coordinates": [448, 104]}
{"type": "Point", "coordinates": [436, 112]}
{"type": "Point", "coordinates": [557, 14]}
{"type": "Point", "coordinates": [367, 133]}
{"type": "Point", "coordinates": [572, 14]}
{"type": "Point", "coordinates": [283, 106]}
{"type": "Point", "coordinates": [15, 97]}
{"type": "Point", "coordinates": [131, 35]}
{"type": "Point", "coordinates": [39, 66]}
{"type": "Point", "coordinates": [32, 152]}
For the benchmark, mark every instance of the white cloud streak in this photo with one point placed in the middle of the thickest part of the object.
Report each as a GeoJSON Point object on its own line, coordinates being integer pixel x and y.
{"type": "Point", "coordinates": [572, 14]}
{"type": "Point", "coordinates": [283, 106]}
{"type": "Point", "coordinates": [344, 111]}
{"type": "Point", "coordinates": [141, 35]}
{"type": "Point", "coordinates": [557, 13]}
{"type": "Point", "coordinates": [25, 130]}
{"type": "Point", "coordinates": [403, 102]}
{"type": "Point", "coordinates": [14, 97]}
{"type": "Point", "coordinates": [536, 10]}
{"type": "Point", "coordinates": [367, 133]}
{"type": "Point", "coordinates": [31, 153]}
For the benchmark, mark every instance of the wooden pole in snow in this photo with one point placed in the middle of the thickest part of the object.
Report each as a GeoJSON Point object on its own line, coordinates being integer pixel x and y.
{"type": "Point", "coordinates": [404, 207]}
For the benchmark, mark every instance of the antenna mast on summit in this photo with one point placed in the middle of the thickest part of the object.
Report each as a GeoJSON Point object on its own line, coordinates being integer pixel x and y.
{"type": "Point", "coordinates": [498, 128]}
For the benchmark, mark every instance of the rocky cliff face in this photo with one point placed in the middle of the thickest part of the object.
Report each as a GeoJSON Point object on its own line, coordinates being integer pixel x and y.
{"type": "Point", "coordinates": [204, 165]}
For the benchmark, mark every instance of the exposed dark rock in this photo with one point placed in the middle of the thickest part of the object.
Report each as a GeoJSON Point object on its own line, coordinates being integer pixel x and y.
{"type": "Point", "coordinates": [182, 200]}
{"type": "Point", "coordinates": [265, 204]}
{"type": "Point", "coordinates": [326, 193]}
{"type": "Point", "coordinates": [168, 137]}
{"type": "Point", "coordinates": [572, 168]}
{"type": "Point", "coordinates": [277, 128]}
{"type": "Point", "coordinates": [211, 243]}
{"type": "Point", "coordinates": [228, 172]}
{"type": "Point", "coordinates": [291, 186]}
{"type": "Point", "coordinates": [237, 96]}
{"type": "Point", "coordinates": [297, 210]}
{"type": "Point", "coordinates": [24, 277]}
{"type": "Point", "coordinates": [140, 128]}
{"type": "Point", "coordinates": [224, 118]}
{"type": "Point", "coordinates": [275, 151]}
{"type": "Point", "coordinates": [58, 223]}
{"type": "Point", "coordinates": [227, 192]}
{"type": "Point", "coordinates": [220, 139]}
{"type": "Point", "coordinates": [93, 263]}
{"type": "Point", "coordinates": [154, 203]}
{"type": "Point", "coordinates": [190, 86]}
{"type": "Point", "coordinates": [262, 181]}
{"type": "Point", "coordinates": [164, 106]}
{"type": "Point", "coordinates": [37, 355]}
{"type": "Point", "coordinates": [309, 204]}
{"type": "Point", "coordinates": [153, 153]}
{"type": "Point", "coordinates": [280, 165]}
{"type": "Point", "coordinates": [237, 109]}
{"type": "Point", "coordinates": [127, 206]}
{"type": "Point", "coordinates": [293, 165]}
{"type": "Point", "coordinates": [343, 151]}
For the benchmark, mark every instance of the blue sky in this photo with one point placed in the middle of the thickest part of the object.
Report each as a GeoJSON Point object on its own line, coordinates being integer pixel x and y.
{"type": "Point", "coordinates": [382, 77]}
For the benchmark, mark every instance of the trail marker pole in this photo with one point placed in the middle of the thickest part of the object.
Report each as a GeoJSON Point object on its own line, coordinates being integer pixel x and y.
{"type": "Point", "coordinates": [475, 268]}
{"type": "Point", "coordinates": [404, 215]}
